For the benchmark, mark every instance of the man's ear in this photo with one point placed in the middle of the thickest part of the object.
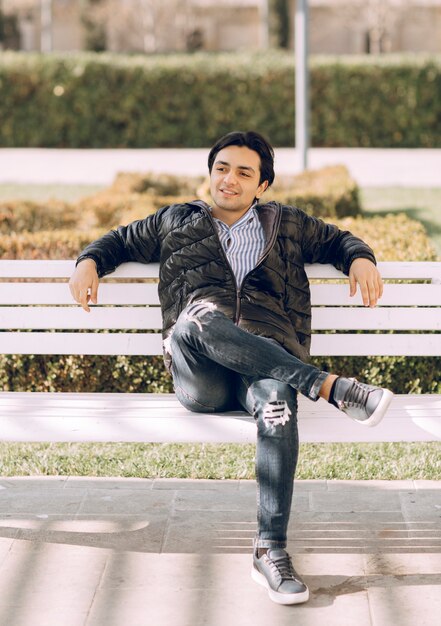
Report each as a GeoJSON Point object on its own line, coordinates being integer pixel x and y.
{"type": "Point", "coordinates": [261, 189]}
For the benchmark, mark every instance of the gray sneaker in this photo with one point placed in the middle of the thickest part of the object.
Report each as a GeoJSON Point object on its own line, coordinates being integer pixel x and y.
{"type": "Point", "coordinates": [274, 570]}
{"type": "Point", "coordinates": [366, 404]}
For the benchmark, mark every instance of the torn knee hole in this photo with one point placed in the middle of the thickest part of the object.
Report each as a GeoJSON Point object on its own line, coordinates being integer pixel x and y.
{"type": "Point", "coordinates": [276, 412]}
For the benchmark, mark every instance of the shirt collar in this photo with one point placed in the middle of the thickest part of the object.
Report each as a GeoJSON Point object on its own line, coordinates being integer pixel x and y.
{"type": "Point", "coordinates": [251, 213]}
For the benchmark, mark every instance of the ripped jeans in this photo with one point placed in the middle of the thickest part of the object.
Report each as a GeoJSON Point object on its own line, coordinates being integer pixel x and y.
{"type": "Point", "coordinates": [217, 367]}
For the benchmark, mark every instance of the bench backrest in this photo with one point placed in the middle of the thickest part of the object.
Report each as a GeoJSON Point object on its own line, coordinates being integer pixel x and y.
{"type": "Point", "coordinates": [34, 297]}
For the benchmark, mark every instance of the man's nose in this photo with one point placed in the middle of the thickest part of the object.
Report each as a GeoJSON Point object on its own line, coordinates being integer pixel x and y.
{"type": "Point", "coordinates": [230, 178]}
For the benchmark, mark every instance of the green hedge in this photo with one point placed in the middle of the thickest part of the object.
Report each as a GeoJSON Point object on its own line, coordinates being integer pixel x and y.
{"type": "Point", "coordinates": [96, 100]}
{"type": "Point", "coordinates": [148, 375]}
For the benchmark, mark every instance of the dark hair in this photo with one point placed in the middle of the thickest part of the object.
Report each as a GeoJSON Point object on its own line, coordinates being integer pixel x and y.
{"type": "Point", "coordinates": [253, 141]}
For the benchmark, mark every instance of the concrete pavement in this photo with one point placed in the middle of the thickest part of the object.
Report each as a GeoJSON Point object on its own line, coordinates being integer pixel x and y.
{"type": "Point", "coordinates": [369, 166]}
{"type": "Point", "coordinates": [132, 552]}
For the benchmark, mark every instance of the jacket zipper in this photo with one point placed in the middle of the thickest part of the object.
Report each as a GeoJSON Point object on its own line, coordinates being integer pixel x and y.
{"type": "Point", "coordinates": [264, 256]}
{"type": "Point", "coordinates": [227, 263]}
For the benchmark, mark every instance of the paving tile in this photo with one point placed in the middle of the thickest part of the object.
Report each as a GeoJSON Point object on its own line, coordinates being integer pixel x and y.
{"type": "Point", "coordinates": [349, 519]}
{"type": "Point", "coordinates": [36, 501]}
{"type": "Point", "coordinates": [361, 486]}
{"type": "Point", "coordinates": [427, 484]}
{"type": "Point", "coordinates": [5, 546]}
{"type": "Point", "coordinates": [34, 482]}
{"type": "Point", "coordinates": [37, 587]}
{"type": "Point", "coordinates": [239, 605]}
{"type": "Point", "coordinates": [199, 485]}
{"type": "Point", "coordinates": [86, 483]}
{"type": "Point", "coordinates": [108, 532]}
{"type": "Point", "coordinates": [223, 500]}
{"type": "Point", "coordinates": [360, 532]}
{"type": "Point", "coordinates": [74, 523]}
{"type": "Point", "coordinates": [403, 564]}
{"type": "Point", "coordinates": [130, 502]}
{"type": "Point", "coordinates": [204, 595]}
{"type": "Point", "coordinates": [36, 613]}
{"type": "Point", "coordinates": [340, 565]}
{"type": "Point", "coordinates": [407, 601]}
{"type": "Point", "coordinates": [355, 500]}
{"type": "Point", "coordinates": [422, 505]}
{"type": "Point", "coordinates": [248, 486]}
{"type": "Point", "coordinates": [214, 500]}
{"type": "Point", "coordinates": [189, 571]}
{"type": "Point", "coordinates": [310, 485]}
{"type": "Point", "coordinates": [210, 532]}
{"type": "Point", "coordinates": [55, 567]}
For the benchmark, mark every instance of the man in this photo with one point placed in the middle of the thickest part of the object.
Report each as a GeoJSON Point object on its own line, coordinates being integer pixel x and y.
{"type": "Point", "coordinates": [236, 312]}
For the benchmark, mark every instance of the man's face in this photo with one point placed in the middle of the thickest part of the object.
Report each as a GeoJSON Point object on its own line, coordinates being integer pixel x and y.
{"type": "Point", "coordinates": [234, 182]}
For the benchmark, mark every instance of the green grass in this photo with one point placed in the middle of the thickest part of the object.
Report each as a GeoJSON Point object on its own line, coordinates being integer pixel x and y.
{"type": "Point", "coordinates": [422, 204]}
{"type": "Point", "coordinates": [380, 461]}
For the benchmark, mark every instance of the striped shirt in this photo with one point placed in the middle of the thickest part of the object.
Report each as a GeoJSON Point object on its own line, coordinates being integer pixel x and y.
{"type": "Point", "coordinates": [243, 243]}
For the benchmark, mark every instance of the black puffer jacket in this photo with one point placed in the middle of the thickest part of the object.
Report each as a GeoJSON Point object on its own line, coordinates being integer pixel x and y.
{"type": "Point", "coordinates": [274, 299]}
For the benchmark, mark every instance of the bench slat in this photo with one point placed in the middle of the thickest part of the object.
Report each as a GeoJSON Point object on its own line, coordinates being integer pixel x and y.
{"type": "Point", "coordinates": [58, 293]}
{"type": "Point", "coordinates": [381, 318]}
{"type": "Point", "coordinates": [80, 343]}
{"type": "Point", "coordinates": [393, 295]}
{"type": "Point", "coordinates": [144, 318]}
{"type": "Point", "coordinates": [376, 345]}
{"type": "Point", "coordinates": [151, 344]}
{"type": "Point", "coordinates": [63, 269]}
{"type": "Point", "coordinates": [159, 417]}
{"type": "Point", "coordinates": [147, 293]}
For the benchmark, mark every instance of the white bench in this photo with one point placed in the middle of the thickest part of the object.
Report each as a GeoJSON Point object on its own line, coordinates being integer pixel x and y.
{"type": "Point", "coordinates": [44, 305]}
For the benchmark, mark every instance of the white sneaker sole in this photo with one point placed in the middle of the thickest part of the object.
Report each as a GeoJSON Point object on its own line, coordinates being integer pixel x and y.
{"type": "Point", "coordinates": [380, 411]}
{"type": "Point", "coordinates": [279, 598]}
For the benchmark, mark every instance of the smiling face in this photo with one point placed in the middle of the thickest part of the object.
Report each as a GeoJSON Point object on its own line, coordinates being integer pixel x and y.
{"type": "Point", "coordinates": [235, 182]}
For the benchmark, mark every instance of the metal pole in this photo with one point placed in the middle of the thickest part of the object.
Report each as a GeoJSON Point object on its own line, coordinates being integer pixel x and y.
{"type": "Point", "coordinates": [264, 24]}
{"type": "Point", "coordinates": [302, 81]}
{"type": "Point", "coordinates": [46, 26]}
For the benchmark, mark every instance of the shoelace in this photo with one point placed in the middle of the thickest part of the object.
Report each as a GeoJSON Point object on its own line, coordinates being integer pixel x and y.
{"type": "Point", "coordinates": [356, 395]}
{"type": "Point", "coordinates": [283, 565]}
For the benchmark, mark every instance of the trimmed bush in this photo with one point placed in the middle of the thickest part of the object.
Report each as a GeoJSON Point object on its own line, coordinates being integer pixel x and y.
{"type": "Point", "coordinates": [51, 244]}
{"type": "Point", "coordinates": [134, 196]}
{"type": "Point", "coordinates": [84, 373]}
{"type": "Point", "coordinates": [95, 100]}
{"type": "Point", "coordinates": [148, 375]}
{"type": "Point", "coordinates": [329, 192]}
{"type": "Point", "coordinates": [26, 215]}
{"type": "Point", "coordinates": [393, 237]}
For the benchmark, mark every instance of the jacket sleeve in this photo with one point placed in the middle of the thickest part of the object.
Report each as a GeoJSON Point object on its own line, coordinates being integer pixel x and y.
{"type": "Point", "coordinates": [326, 243]}
{"type": "Point", "coordinates": [139, 241]}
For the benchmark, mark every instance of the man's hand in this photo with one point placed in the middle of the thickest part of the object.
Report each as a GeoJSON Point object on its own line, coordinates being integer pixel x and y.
{"type": "Point", "coordinates": [84, 283]}
{"type": "Point", "coordinates": [366, 274]}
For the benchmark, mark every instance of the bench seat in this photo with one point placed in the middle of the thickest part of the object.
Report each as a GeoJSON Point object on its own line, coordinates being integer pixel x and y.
{"type": "Point", "coordinates": [137, 417]}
